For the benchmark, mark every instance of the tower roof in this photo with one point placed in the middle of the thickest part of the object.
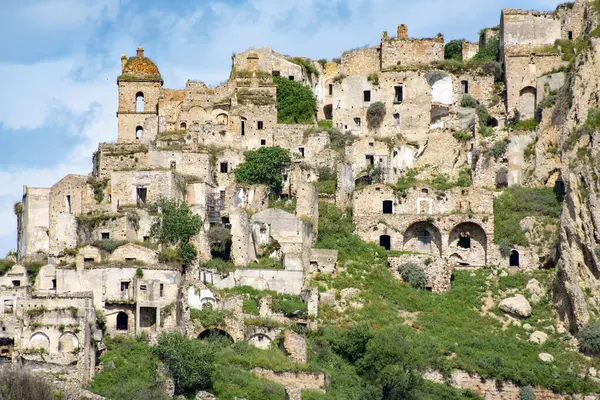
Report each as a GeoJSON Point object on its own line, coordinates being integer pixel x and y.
{"type": "Point", "coordinates": [140, 68]}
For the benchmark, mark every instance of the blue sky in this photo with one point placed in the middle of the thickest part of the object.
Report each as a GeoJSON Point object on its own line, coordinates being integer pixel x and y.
{"type": "Point", "coordinates": [59, 60]}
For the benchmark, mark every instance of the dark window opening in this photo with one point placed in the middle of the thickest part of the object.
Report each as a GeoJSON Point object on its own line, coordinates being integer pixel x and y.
{"type": "Point", "coordinates": [330, 89]}
{"type": "Point", "coordinates": [173, 165]}
{"type": "Point", "coordinates": [224, 167]}
{"type": "Point", "coordinates": [143, 288]}
{"type": "Point", "coordinates": [276, 73]}
{"type": "Point", "coordinates": [105, 235]}
{"type": "Point", "coordinates": [16, 283]}
{"type": "Point", "coordinates": [183, 125]}
{"type": "Point", "coordinates": [398, 94]}
{"type": "Point", "coordinates": [142, 195]}
{"type": "Point", "coordinates": [388, 207]}
{"type": "Point", "coordinates": [243, 127]}
{"type": "Point", "coordinates": [357, 123]}
{"type": "Point", "coordinates": [570, 35]}
{"type": "Point", "coordinates": [464, 86]}
{"type": "Point", "coordinates": [385, 241]}
{"type": "Point", "coordinates": [371, 144]}
{"type": "Point", "coordinates": [124, 286]}
{"type": "Point", "coordinates": [122, 321]}
{"type": "Point", "coordinates": [68, 204]}
{"type": "Point", "coordinates": [425, 191]}
{"type": "Point", "coordinates": [291, 77]}
{"type": "Point", "coordinates": [396, 119]}
{"type": "Point", "coordinates": [464, 241]}
{"type": "Point", "coordinates": [514, 259]}
{"type": "Point", "coordinates": [263, 142]}
{"type": "Point", "coordinates": [130, 259]}
{"type": "Point", "coordinates": [367, 95]}
{"type": "Point", "coordinates": [259, 125]}
{"type": "Point", "coordinates": [370, 160]}
{"type": "Point", "coordinates": [88, 260]}
{"type": "Point", "coordinates": [53, 284]}
{"type": "Point", "coordinates": [146, 238]}
{"type": "Point", "coordinates": [161, 290]}
{"type": "Point", "coordinates": [301, 151]}
{"type": "Point", "coordinates": [424, 238]}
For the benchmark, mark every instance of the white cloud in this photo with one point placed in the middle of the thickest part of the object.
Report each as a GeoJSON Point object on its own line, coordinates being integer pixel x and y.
{"type": "Point", "coordinates": [66, 14]}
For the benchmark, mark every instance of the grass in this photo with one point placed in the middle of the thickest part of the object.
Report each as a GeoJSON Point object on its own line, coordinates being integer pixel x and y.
{"type": "Point", "coordinates": [446, 323]}
{"type": "Point", "coordinates": [326, 187]}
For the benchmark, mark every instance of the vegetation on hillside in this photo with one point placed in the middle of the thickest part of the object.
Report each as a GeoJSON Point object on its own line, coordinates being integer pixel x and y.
{"type": "Point", "coordinates": [264, 166]}
{"type": "Point", "coordinates": [296, 103]}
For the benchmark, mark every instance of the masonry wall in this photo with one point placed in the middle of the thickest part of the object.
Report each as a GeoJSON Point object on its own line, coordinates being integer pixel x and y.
{"type": "Point", "coordinates": [411, 51]}
{"type": "Point", "coordinates": [522, 30]}
{"type": "Point", "coordinates": [128, 118]}
{"type": "Point", "coordinates": [35, 222]}
{"type": "Point", "coordinates": [363, 61]}
{"type": "Point", "coordinates": [159, 184]}
{"type": "Point", "coordinates": [63, 212]}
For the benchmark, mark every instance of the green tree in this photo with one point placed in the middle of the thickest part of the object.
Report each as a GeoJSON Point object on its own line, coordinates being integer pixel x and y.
{"type": "Point", "coordinates": [453, 50]}
{"type": "Point", "coordinates": [264, 166]}
{"type": "Point", "coordinates": [296, 103]}
{"type": "Point", "coordinates": [175, 225]}
{"type": "Point", "coordinates": [191, 362]}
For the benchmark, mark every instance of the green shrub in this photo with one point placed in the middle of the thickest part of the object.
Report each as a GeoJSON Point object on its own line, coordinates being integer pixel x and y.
{"type": "Point", "coordinates": [326, 187]}
{"type": "Point", "coordinates": [219, 239]}
{"type": "Point", "coordinates": [374, 79]}
{"type": "Point", "coordinates": [98, 185]}
{"type": "Point", "coordinates": [483, 115]}
{"type": "Point", "coordinates": [325, 123]}
{"type": "Point", "coordinates": [250, 306]}
{"type": "Point", "coordinates": [589, 338]}
{"type": "Point", "coordinates": [191, 362]}
{"type": "Point", "coordinates": [175, 225]}
{"type": "Point", "coordinates": [264, 166]}
{"type": "Point", "coordinates": [129, 371]}
{"type": "Point", "coordinates": [485, 131]}
{"type": "Point", "coordinates": [406, 181]}
{"type": "Point", "coordinates": [5, 265]}
{"type": "Point", "coordinates": [526, 393]}
{"type": "Point", "coordinates": [289, 305]}
{"type": "Point", "coordinates": [464, 178]}
{"type": "Point", "coordinates": [498, 149]}
{"type": "Point", "coordinates": [516, 203]}
{"type": "Point", "coordinates": [296, 103]}
{"type": "Point", "coordinates": [352, 343]}
{"type": "Point", "coordinates": [468, 101]}
{"type": "Point", "coordinates": [33, 269]}
{"type": "Point", "coordinates": [169, 256]}
{"type": "Point", "coordinates": [20, 384]}
{"type": "Point", "coordinates": [221, 266]}
{"type": "Point", "coordinates": [413, 275]}
{"type": "Point", "coordinates": [326, 174]}
{"type": "Point", "coordinates": [307, 66]}
{"type": "Point", "coordinates": [490, 52]}
{"type": "Point", "coordinates": [375, 115]}
{"type": "Point", "coordinates": [109, 245]}
{"type": "Point", "coordinates": [139, 273]}
{"type": "Point", "coordinates": [339, 141]}
{"type": "Point", "coordinates": [453, 50]}
{"type": "Point", "coordinates": [209, 317]}
{"type": "Point", "coordinates": [462, 136]}
{"type": "Point", "coordinates": [525, 125]}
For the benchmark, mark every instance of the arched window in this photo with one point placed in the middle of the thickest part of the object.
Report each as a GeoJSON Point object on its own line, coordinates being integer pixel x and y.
{"type": "Point", "coordinates": [122, 321]}
{"type": "Point", "coordinates": [139, 102]}
{"type": "Point", "coordinates": [183, 125]}
{"type": "Point", "coordinates": [139, 132]}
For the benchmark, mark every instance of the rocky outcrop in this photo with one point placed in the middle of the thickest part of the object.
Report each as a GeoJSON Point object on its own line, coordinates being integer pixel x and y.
{"type": "Point", "coordinates": [516, 305]}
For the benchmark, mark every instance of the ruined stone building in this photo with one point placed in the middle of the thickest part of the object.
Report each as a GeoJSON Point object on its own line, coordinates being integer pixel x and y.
{"type": "Point", "coordinates": [184, 144]}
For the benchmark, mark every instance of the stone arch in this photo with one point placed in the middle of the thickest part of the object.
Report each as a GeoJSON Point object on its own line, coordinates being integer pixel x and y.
{"type": "Point", "coordinates": [470, 240]}
{"type": "Point", "coordinates": [215, 332]}
{"type": "Point", "coordinates": [208, 302]}
{"type": "Point", "coordinates": [197, 113]}
{"type": "Point", "coordinates": [122, 321]}
{"type": "Point", "coordinates": [423, 237]}
{"type": "Point", "coordinates": [68, 342]}
{"type": "Point", "coordinates": [527, 102]}
{"type": "Point", "coordinates": [139, 102]}
{"type": "Point", "coordinates": [183, 126]}
{"type": "Point", "coordinates": [260, 340]}
{"type": "Point", "coordinates": [222, 119]}
{"type": "Point", "coordinates": [39, 340]}
{"type": "Point", "coordinates": [514, 260]}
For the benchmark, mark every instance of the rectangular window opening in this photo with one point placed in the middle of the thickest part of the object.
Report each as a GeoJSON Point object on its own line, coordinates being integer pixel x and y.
{"type": "Point", "coordinates": [143, 288]}
{"type": "Point", "coordinates": [398, 94]}
{"type": "Point", "coordinates": [53, 283]}
{"type": "Point", "coordinates": [105, 235]}
{"type": "Point", "coordinates": [301, 151]}
{"type": "Point", "coordinates": [224, 167]}
{"type": "Point", "coordinates": [173, 165]}
{"type": "Point", "coordinates": [162, 290]}
{"type": "Point", "coordinates": [124, 286]}
{"type": "Point", "coordinates": [367, 95]}
{"type": "Point", "coordinates": [570, 35]}
{"type": "Point", "coordinates": [68, 203]}
{"type": "Point", "coordinates": [16, 283]}
{"type": "Point", "coordinates": [331, 89]}
{"type": "Point", "coordinates": [370, 160]}
{"type": "Point", "coordinates": [259, 125]}
{"type": "Point", "coordinates": [291, 77]}
{"type": "Point", "coordinates": [263, 142]}
{"type": "Point", "coordinates": [276, 73]}
{"type": "Point", "coordinates": [464, 86]}
{"type": "Point", "coordinates": [142, 195]}
{"type": "Point", "coordinates": [397, 119]}
{"type": "Point", "coordinates": [357, 122]}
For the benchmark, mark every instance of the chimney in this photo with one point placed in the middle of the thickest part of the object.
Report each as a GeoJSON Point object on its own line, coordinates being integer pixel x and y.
{"type": "Point", "coordinates": [140, 52]}
{"type": "Point", "coordinates": [402, 31]}
{"type": "Point", "coordinates": [123, 61]}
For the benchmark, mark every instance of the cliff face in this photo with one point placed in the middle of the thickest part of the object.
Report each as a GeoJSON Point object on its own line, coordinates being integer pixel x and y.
{"type": "Point", "coordinates": [578, 279]}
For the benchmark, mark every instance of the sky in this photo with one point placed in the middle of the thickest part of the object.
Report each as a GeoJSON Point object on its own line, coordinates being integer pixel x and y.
{"type": "Point", "coordinates": [59, 60]}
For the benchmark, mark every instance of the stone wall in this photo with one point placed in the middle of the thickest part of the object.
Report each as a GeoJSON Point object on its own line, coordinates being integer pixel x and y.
{"type": "Point", "coordinates": [67, 200]}
{"type": "Point", "coordinates": [119, 156]}
{"type": "Point", "coordinates": [128, 118]}
{"type": "Point", "coordinates": [522, 30]}
{"type": "Point", "coordinates": [158, 184]}
{"type": "Point", "coordinates": [364, 61]}
{"type": "Point", "coordinates": [34, 222]}
{"type": "Point", "coordinates": [411, 51]}
{"type": "Point", "coordinates": [437, 270]}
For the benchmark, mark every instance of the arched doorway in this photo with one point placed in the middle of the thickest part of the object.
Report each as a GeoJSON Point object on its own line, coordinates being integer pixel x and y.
{"type": "Point", "coordinates": [527, 102]}
{"type": "Point", "coordinates": [385, 241]}
{"type": "Point", "coordinates": [122, 321]}
{"type": "Point", "coordinates": [470, 240]}
{"type": "Point", "coordinates": [423, 237]}
{"type": "Point", "coordinates": [215, 334]}
{"type": "Point", "coordinates": [328, 111]}
{"type": "Point", "coordinates": [514, 260]}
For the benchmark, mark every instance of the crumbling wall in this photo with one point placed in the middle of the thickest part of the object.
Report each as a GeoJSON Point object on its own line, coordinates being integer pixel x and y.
{"type": "Point", "coordinates": [364, 61]}
{"type": "Point", "coordinates": [396, 51]}
{"type": "Point", "coordinates": [35, 222]}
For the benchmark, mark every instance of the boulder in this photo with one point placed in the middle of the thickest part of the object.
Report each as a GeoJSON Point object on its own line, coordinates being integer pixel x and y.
{"type": "Point", "coordinates": [535, 289]}
{"type": "Point", "coordinates": [527, 327]}
{"type": "Point", "coordinates": [516, 305]}
{"type": "Point", "coordinates": [545, 357]}
{"type": "Point", "coordinates": [202, 395]}
{"type": "Point", "coordinates": [538, 337]}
